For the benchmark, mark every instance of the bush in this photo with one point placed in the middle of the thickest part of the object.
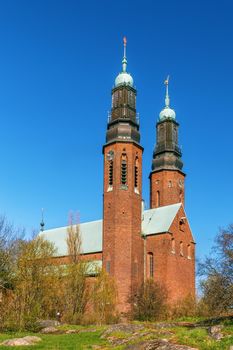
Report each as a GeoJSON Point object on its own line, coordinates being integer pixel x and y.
{"type": "Point", "coordinates": [103, 299]}
{"type": "Point", "coordinates": [186, 307]}
{"type": "Point", "coordinates": [149, 303]}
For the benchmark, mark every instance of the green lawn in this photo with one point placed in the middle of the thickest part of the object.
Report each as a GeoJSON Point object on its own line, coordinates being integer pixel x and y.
{"type": "Point", "coordinates": [58, 342]}
{"type": "Point", "coordinates": [195, 337]}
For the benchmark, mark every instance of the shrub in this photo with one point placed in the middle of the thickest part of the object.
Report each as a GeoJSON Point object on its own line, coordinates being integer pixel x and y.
{"type": "Point", "coordinates": [149, 303]}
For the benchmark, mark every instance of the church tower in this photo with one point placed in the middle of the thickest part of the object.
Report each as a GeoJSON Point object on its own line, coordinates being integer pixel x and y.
{"type": "Point", "coordinates": [122, 242]}
{"type": "Point", "coordinates": [166, 177]}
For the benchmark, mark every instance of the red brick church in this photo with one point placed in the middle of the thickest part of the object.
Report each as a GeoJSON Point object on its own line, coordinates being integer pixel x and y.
{"type": "Point", "coordinates": [130, 243]}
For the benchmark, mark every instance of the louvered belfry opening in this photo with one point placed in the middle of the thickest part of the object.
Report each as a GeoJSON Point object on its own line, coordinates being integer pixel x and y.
{"type": "Point", "coordinates": [124, 169]}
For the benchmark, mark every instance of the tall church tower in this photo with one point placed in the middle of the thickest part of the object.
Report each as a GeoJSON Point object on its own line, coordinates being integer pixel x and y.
{"type": "Point", "coordinates": [166, 177]}
{"type": "Point", "coordinates": [122, 242]}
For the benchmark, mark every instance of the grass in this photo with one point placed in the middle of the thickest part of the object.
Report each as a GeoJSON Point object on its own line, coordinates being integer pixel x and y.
{"type": "Point", "coordinates": [59, 342]}
{"type": "Point", "coordinates": [195, 337]}
{"type": "Point", "coordinates": [198, 337]}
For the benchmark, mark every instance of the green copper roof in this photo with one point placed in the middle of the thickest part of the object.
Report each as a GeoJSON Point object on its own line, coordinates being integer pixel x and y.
{"type": "Point", "coordinates": [167, 112]}
{"type": "Point", "coordinates": [154, 221]}
{"type": "Point", "coordinates": [124, 78]}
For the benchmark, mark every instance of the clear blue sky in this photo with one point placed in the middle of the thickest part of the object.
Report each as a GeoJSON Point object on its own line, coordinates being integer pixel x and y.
{"type": "Point", "coordinates": [58, 63]}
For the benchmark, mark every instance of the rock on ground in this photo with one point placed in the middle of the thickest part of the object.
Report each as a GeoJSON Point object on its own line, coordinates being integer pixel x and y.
{"type": "Point", "coordinates": [32, 339]}
{"type": "Point", "coordinates": [215, 332]}
{"type": "Point", "coordinates": [49, 330]}
{"type": "Point", "coordinates": [72, 331]}
{"type": "Point", "coordinates": [123, 327]}
{"type": "Point", "coordinates": [28, 340]}
{"type": "Point", "coordinates": [157, 345]}
{"type": "Point", "coordinates": [48, 323]}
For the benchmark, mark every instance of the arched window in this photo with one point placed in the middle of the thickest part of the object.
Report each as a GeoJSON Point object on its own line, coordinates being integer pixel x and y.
{"type": "Point", "coordinates": [124, 169]}
{"type": "Point", "coordinates": [136, 176]}
{"type": "Point", "coordinates": [110, 163]}
{"type": "Point", "coordinates": [110, 173]}
{"type": "Point", "coordinates": [181, 249]}
{"type": "Point", "coordinates": [173, 246]}
{"type": "Point", "coordinates": [115, 99]}
{"type": "Point", "coordinates": [189, 251]}
{"type": "Point", "coordinates": [158, 198]}
{"type": "Point", "coordinates": [150, 265]}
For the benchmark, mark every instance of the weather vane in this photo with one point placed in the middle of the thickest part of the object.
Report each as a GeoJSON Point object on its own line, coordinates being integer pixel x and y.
{"type": "Point", "coordinates": [166, 82]}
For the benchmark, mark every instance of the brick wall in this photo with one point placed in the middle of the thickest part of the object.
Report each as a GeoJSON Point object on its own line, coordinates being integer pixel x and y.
{"type": "Point", "coordinates": [122, 243]}
{"type": "Point", "coordinates": [176, 270]}
{"type": "Point", "coordinates": [170, 186]}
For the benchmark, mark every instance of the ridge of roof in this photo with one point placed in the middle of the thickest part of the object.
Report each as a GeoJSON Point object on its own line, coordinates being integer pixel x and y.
{"type": "Point", "coordinates": [154, 221]}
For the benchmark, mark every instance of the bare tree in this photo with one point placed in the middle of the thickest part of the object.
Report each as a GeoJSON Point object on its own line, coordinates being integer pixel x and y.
{"type": "Point", "coordinates": [149, 303]}
{"type": "Point", "coordinates": [217, 271]}
{"type": "Point", "coordinates": [76, 286]}
{"type": "Point", "coordinates": [104, 298]}
{"type": "Point", "coordinates": [73, 240]}
{"type": "Point", "coordinates": [9, 240]}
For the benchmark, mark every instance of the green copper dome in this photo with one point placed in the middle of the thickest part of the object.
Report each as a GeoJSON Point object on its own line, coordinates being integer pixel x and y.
{"type": "Point", "coordinates": [124, 78]}
{"type": "Point", "coordinates": [167, 112]}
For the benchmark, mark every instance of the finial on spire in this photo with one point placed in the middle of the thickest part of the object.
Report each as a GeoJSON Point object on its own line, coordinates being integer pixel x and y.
{"type": "Point", "coordinates": [124, 61]}
{"type": "Point", "coordinates": [167, 99]}
{"type": "Point", "coordinates": [42, 224]}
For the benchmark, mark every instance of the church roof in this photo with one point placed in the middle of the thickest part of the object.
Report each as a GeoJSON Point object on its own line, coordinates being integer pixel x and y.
{"type": "Point", "coordinates": [91, 233]}
{"type": "Point", "coordinates": [154, 221]}
{"type": "Point", "coordinates": [159, 220]}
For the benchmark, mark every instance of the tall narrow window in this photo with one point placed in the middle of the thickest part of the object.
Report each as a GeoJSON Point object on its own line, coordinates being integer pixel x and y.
{"type": "Point", "coordinates": [158, 198]}
{"type": "Point", "coordinates": [124, 169]}
{"type": "Point", "coordinates": [181, 249]}
{"type": "Point", "coordinates": [150, 265]}
{"type": "Point", "coordinates": [189, 251]}
{"type": "Point", "coordinates": [115, 99]}
{"type": "Point", "coordinates": [173, 246]}
{"type": "Point", "coordinates": [110, 172]}
{"type": "Point", "coordinates": [136, 175]}
{"type": "Point", "coordinates": [109, 158]}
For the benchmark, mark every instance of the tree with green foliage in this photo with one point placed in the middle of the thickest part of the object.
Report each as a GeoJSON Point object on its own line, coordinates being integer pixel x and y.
{"type": "Point", "coordinates": [36, 285]}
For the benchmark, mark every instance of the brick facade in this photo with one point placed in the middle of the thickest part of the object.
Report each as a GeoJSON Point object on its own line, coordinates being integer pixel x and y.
{"type": "Point", "coordinates": [174, 259]}
{"type": "Point", "coordinates": [166, 187]}
{"type": "Point", "coordinates": [122, 242]}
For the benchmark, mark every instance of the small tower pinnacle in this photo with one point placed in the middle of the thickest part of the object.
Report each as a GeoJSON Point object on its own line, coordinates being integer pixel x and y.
{"type": "Point", "coordinates": [123, 77]}
{"type": "Point", "coordinates": [124, 61]}
{"type": "Point", "coordinates": [42, 224]}
{"type": "Point", "coordinates": [167, 112]}
{"type": "Point", "coordinates": [167, 99]}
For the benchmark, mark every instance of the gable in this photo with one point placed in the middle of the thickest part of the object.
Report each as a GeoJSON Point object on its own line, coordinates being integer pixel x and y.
{"type": "Point", "coordinates": [159, 220]}
{"type": "Point", "coordinates": [176, 230]}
